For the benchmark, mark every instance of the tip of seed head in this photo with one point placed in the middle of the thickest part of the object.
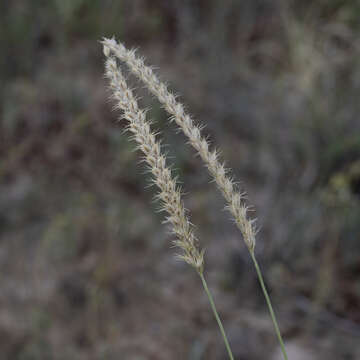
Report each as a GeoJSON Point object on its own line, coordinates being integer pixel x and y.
{"type": "Point", "coordinates": [107, 44]}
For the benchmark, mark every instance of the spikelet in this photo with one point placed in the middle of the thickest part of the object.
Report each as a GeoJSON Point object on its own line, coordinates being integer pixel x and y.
{"type": "Point", "coordinates": [233, 197]}
{"type": "Point", "coordinates": [170, 193]}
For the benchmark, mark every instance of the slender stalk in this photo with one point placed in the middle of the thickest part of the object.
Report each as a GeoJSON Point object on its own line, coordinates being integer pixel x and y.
{"type": "Point", "coordinates": [268, 301]}
{"type": "Point", "coordinates": [217, 317]}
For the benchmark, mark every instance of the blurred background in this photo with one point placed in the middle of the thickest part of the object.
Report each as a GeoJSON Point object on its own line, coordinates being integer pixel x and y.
{"type": "Point", "coordinates": [86, 267]}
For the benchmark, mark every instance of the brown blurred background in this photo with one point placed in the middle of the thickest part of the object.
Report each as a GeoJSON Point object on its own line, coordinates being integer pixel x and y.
{"type": "Point", "coordinates": [86, 267]}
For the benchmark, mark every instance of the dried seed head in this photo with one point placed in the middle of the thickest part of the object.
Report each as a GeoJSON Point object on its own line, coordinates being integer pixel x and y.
{"type": "Point", "coordinates": [170, 193]}
{"type": "Point", "coordinates": [234, 198]}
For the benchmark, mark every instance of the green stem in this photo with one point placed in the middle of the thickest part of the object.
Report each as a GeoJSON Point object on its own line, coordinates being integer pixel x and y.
{"type": "Point", "coordinates": [267, 297]}
{"type": "Point", "coordinates": [211, 300]}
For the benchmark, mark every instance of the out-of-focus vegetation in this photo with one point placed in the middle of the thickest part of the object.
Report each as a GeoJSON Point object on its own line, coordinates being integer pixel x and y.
{"type": "Point", "coordinates": [86, 268]}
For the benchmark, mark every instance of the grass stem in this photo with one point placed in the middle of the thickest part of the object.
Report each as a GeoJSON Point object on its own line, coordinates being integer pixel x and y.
{"type": "Point", "coordinates": [268, 301]}
{"type": "Point", "coordinates": [217, 317]}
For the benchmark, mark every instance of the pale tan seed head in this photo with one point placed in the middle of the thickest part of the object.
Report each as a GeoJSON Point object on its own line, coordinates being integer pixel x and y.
{"type": "Point", "coordinates": [234, 198]}
{"type": "Point", "coordinates": [170, 193]}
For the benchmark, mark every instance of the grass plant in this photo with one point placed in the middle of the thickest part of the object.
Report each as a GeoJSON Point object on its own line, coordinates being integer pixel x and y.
{"type": "Point", "coordinates": [234, 197]}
